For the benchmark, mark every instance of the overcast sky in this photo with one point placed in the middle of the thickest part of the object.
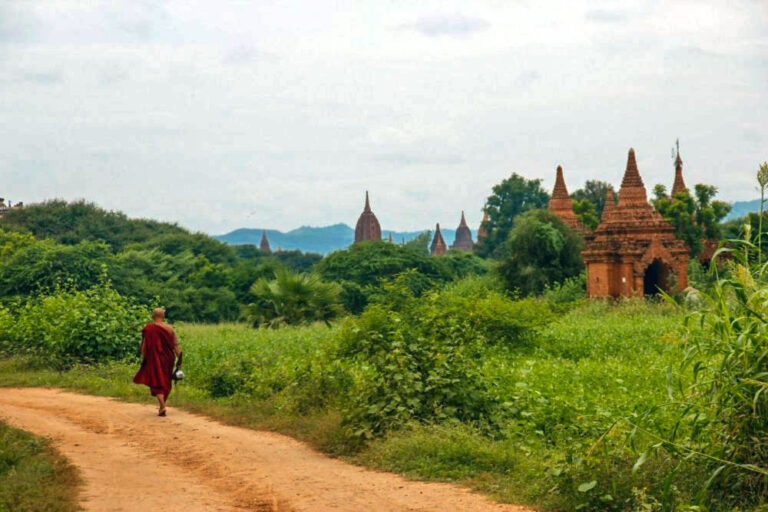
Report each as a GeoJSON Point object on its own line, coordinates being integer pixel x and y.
{"type": "Point", "coordinates": [226, 114]}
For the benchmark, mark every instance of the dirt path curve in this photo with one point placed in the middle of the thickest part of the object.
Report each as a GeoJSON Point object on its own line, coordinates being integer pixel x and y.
{"type": "Point", "coordinates": [132, 460]}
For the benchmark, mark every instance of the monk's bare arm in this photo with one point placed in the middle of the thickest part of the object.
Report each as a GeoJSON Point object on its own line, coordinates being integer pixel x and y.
{"type": "Point", "coordinates": [176, 348]}
{"type": "Point", "coordinates": [143, 349]}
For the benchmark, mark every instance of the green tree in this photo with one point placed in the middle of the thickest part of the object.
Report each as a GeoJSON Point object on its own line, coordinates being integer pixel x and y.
{"type": "Point", "coordinates": [542, 251]}
{"type": "Point", "coordinates": [595, 191]}
{"type": "Point", "coordinates": [695, 218]}
{"type": "Point", "coordinates": [510, 198]}
{"type": "Point", "coordinates": [293, 298]}
{"type": "Point", "coordinates": [586, 212]}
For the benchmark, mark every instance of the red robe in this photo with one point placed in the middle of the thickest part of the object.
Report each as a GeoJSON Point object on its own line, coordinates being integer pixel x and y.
{"type": "Point", "coordinates": [157, 366]}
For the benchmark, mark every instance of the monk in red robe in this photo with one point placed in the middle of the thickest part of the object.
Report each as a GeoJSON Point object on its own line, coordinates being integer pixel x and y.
{"type": "Point", "coordinates": [159, 350]}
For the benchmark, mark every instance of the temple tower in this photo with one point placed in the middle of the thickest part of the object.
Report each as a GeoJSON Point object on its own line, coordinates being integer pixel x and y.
{"type": "Point", "coordinates": [438, 247]}
{"type": "Point", "coordinates": [264, 245]}
{"type": "Point", "coordinates": [560, 203]}
{"type": "Point", "coordinates": [482, 232]}
{"type": "Point", "coordinates": [679, 185]}
{"type": "Point", "coordinates": [634, 251]}
{"type": "Point", "coordinates": [367, 227]}
{"type": "Point", "coordinates": [463, 241]}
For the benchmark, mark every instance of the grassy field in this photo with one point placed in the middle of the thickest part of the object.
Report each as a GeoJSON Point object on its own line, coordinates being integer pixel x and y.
{"type": "Point", "coordinates": [557, 396]}
{"type": "Point", "coordinates": [33, 477]}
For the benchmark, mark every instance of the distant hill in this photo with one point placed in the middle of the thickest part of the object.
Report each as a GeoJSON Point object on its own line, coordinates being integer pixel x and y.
{"type": "Point", "coordinates": [741, 208]}
{"type": "Point", "coordinates": [321, 240]}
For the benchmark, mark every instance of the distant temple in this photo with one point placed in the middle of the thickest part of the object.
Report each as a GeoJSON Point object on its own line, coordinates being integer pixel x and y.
{"type": "Point", "coordinates": [264, 245]}
{"type": "Point", "coordinates": [367, 227]}
{"type": "Point", "coordinates": [438, 247]}
{"type": "Point", "coordinates": [679, 185]}
{"type": "Point", "coordinates": [482, 231]}
{"type": "Point", "coordinates": [634, 251]}
{"type": "Point", "coordinates": [463, 241]}
{"type": "Point", "coordinates": [560, 203]}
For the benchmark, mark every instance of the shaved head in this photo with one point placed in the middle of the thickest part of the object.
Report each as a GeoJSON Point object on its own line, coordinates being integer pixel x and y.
{"type": "Point", "coordinates": [158, 314]}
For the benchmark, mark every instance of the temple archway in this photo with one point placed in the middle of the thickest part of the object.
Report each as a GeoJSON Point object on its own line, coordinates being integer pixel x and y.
{"type": "Point", "coordinates": [656, 278]}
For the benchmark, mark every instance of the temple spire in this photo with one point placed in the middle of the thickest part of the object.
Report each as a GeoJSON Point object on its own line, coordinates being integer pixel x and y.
{"type": "Point", "coordinates": [560, 203]}
{"type": "Point", "coordinates": [679, 185]}
{"type": "Point", "coordinates": [481, 231]}
{"type": "Point", "coordinates": [632, 192]}
{"type": "Point", "coordinates": [438, 247]}
{"type": "Point", "coordinates": [560, 191]}
{"type": "Point", "coordinates": [264, 245]}
{"type": "Point", "coordinates": [463, 240]}
{"type": "Point", "coordinates": [367, 227]}
{"type": "Point", "coordinates": [610, 205]}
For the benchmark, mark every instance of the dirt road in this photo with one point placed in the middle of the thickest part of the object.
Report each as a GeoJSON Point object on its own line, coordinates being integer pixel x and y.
{"type": "Point", "coordinates": [131, 460]}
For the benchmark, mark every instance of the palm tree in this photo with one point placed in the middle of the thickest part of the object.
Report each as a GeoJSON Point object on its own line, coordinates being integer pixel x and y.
{"type": "Point", "coordinates": [293, 298]}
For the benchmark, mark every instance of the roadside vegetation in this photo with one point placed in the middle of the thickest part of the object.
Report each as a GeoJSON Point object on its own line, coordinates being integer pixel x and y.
{"type": "Point", "coordinates": [493, 372]}
{"type": "Point", "coordinates": [33, 476]}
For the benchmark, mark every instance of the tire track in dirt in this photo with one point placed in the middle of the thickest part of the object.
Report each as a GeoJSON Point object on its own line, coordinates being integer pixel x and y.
{"type": "Point", "coordinates": [131, 460]}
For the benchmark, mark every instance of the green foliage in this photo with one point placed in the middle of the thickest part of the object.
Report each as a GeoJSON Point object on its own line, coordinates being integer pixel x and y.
{"type": "Point", "coordinates": [198, 244]}
{"type": "Point", "coordinates": [695, 218]}
{"type": "Point", "coordinates": [569, 291]}
{"type": "Point", "coordinates": [67, 327]}
{"type": "Point", "coordinates": [722, 406]}
{"type": "Point", "coordinates": [33, 477]}
{"type": "Point", "coordinates": [364, 267]}
{"type": "Point", "coordinates": [595, 192]}
{"type": "Point", "coordinates": [33, 266]}
{"type": "Point", "coordinates": [72, 223]}
{"type": "Point", "coordinates": [292, 298]}
{"type": "Point", "coordinates": [586, 212]}
{"type": "Point", "coordinates": [510, 198]}
{"type": "Point", "coordinates": [416, 359]}
{"type": "Point", "coordinates": [420, 242]}
{"type": "Point", "coordinates": [542, 251]}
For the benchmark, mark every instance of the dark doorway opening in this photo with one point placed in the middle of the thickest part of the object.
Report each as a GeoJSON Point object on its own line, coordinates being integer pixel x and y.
{"type": "Point", "coordinates": [656, 278]}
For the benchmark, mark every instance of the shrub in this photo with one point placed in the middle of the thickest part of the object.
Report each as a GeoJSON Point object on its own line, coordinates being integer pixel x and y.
{"type": "Point", "coordinates": [542, 251]}
{"type": "Point", "coordinates": [67, 327]}
{"type": "Point", "coordinates": [293, 298]}
{"type": "Point", "coordinates": [418, 359]}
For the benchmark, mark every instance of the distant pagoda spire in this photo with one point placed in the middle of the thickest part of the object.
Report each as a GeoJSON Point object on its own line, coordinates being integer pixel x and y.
{"type": "Point", "coordinates": [679, 185]}
{"type": "Point", "coordinates": [463, 240]}
{"type": "Point", "coordinates": [389, 238]}
{"type": "Point", "coordinates": [264, 245]}
{"type": "Point", "coordinates": [610, 205]}
{"type": "Point", "coordinates": [368, 227]}
{"type": "Point", "coordinates": [438, 247]}
{"type": "Point", "coordinates": [632, 192]}
{"type": "Point", "coordinates": [560, 203]}
{"type": "Point", "coordinates": [482, 232]}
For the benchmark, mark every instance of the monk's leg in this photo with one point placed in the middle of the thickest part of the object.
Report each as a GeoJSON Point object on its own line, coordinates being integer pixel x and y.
{"type": "Point", "coordinates": [161, 400]}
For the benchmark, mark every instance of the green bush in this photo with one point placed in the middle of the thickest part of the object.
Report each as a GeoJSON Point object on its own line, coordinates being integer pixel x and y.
{"type": "Point", "coordinates": [292, 298]}
{"type": "Point", "coordinates": [417, 359]}
{"type": "Point", "coordinates": [68, 327]}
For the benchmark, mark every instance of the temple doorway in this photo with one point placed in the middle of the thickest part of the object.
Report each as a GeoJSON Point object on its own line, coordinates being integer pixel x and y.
{"type": "Point", "coordinates": [656, 278]}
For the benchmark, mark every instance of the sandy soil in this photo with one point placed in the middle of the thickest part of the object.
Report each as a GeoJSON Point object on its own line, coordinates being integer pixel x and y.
{"type": "Point", "coordinates": [131, 460]}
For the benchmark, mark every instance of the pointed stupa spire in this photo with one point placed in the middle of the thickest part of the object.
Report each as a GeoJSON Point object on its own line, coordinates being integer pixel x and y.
{"type": "Point", "coordinates": [482, 232]}
{"type": "Point", "coordinates": [632, 191]}
{"type": "Point", "coordinates": [560, 203]}
{"type": "Point", "coordinates": [463, 240]}
{"type": "Point", "coordinates": [389, 238]}
{"type": "Point", "coordinates": [438, 247]}
{"type": "Point", "coordinates": [679, 185]}
{"type": "Point", "coordinates": [368, 227]}
{"type": "Point", "coordinates": [264, 245]}
{"type": "Point", "coordinates": [610, 206]}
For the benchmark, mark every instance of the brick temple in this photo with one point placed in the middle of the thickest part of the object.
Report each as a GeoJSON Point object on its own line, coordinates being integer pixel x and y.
{"type": "Point", "coordinates": [368, 227]}
{"type": "Point", "coordinates": [463, 241]}
{"type": "Point", "coordinates": [438, 247]}
{"type": "Point", "coordinates": [634, 252]}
